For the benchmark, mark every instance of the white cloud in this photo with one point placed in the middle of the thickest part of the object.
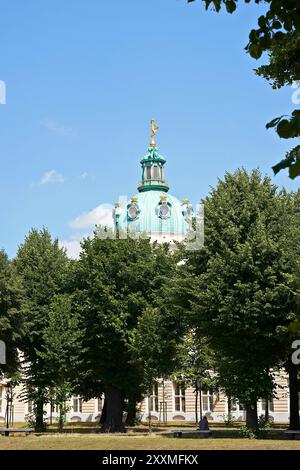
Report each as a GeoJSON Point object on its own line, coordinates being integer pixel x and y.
{"type": "Point", "coordinates": [57, 128]}
{"type": "Point", "coordinates": [72, 246]}
{"type": "Point", "coordinates": [100, 215]}
{"type": "Point", "coordinates": [52, 177]}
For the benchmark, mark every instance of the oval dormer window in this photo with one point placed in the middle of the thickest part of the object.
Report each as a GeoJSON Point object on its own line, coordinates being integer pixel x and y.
{"type": "Point", "coordinates": [132, 212]}
{"type": "Point", "coordinates": [164, 211]}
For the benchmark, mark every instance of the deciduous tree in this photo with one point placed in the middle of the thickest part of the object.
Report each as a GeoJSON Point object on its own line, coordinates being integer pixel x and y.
{"type": "Point", "coordinates": [11, 325]}
{"type": "Point", "coordinates": [117, 281]}
{"type": "Point", "coordinates": [236, 286]}
{"type": "Point", "coordinates": [41, 264]}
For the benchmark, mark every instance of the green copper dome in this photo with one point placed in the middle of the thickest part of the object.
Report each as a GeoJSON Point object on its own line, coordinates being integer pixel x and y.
{"type": "Point", "coordinates": [153, 210]}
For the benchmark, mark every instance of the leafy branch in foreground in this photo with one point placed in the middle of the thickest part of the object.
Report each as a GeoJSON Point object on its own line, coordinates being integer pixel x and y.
{"type": "Point", "coordinates": [278, 34]}
{"type": "Point", "coordinates": [291, 161]}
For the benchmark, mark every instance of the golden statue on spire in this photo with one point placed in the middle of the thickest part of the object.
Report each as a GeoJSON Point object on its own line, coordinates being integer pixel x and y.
{"type": "Point", "coordinates": [154, 129]}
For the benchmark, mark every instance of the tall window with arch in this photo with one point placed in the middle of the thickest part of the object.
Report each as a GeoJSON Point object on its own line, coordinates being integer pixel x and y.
{"type": "Point", "coordinates": [1, 399]}
{"type": "Point", "coordinates": [179, 396]}
{"type": "Point", "coordinates": [153, 399]}
{"type": "Point", "coordinates": [207, 400]}
{"type": "Point", "coordinates": [77, 405]}
{"type": "Point", "coordinates": [270, 405]}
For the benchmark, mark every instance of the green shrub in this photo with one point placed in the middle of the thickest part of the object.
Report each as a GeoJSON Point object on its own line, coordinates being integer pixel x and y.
{"type": "Point", "coordinates": [247, 433]}
{"type": "Point", "coordinates": [229, 420]}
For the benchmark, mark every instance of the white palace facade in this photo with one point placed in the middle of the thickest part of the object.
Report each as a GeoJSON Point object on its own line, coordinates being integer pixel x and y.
{"type": "Point", "coordinates": [170, 401]}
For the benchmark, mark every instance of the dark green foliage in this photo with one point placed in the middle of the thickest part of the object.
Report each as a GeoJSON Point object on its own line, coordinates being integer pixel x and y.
{"type": "Point", "coordinates": [291, 161]}
{"type": "Point", "coordinates": [62, 351]}
{"type": "Point", "coordinates": [42, 266]}
{"type": "Point", "coordinates": [284, 66]}
{"type": "Point", "coordinates": [237, 287]}
{"type": "Point", "coordinates": [118, 294]}
{"type": "Point", "coordinates": [11, 324]}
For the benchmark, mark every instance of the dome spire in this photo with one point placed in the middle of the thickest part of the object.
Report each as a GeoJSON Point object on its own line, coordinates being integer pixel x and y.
{"type": "Point", "coordinates": [154, 129]}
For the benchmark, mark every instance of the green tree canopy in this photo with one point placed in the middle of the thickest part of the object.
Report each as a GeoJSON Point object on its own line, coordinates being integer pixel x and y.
{"type": "Point", "coordinates": [42, 265]}
{"type": "Point", "coordinates": [116, 282]}
{"type": "Point", "coordinates": [11, 325]}
{"type": "Point", "coordinates": [237, 288]}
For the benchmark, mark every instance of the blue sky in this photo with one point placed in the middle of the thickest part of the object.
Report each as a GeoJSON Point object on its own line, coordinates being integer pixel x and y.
{"type": "Point", "coordinates": [83, 79]}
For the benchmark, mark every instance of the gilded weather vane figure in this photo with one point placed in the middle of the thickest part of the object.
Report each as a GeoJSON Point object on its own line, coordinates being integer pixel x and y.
{"type": "Point", "coordinates": [154, 129]}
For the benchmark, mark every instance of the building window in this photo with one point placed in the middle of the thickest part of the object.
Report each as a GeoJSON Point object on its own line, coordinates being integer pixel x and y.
{"type": "Point", "coordinates": [236, 406]}
{"type": "Point", "coordinates": [179, 396]}
{"type": "Point", "coordinates": [153, 399]}
{"type": "Point", "coordinates": [164, 211]}
{"type": "Point", "coordinates": [1, 397]}
{"type": "Point", "coordinates": [270, 403]}
{"type": "Point", "coordinates": [207, 400]}
{"type": "Point", "coordinates": [54, 408]}
{"type": "Point", "coordinates": [155, 173]}
{"type": "Point", "coordinates": [77, 405]}
{"type": "Point", "coordinates": [233, 404]}
{"type": "Point", "coordinates": [148, 173]}
{"type": "Point", "coordinates": [132, 212]}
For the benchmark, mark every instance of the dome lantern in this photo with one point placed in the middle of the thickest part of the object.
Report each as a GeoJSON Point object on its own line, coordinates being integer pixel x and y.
{"type": "Point", "coordinates": [153, 167]}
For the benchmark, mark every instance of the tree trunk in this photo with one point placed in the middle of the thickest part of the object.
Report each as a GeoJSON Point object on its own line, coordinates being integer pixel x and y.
{"type": "Point", "coordinates": [103, 412]}
{"type": "Point", "coordinates": [267, 409]}
{"type": "Point", "coordinates": [114, 398]}
{"type": "Point", "coordinates": [131, 410]}
{"type": "Point", "coordinates": [200, 397]}
{"type": "Point", "coordinates": [39, 416]}
{"type": "Point", "coordinates": [229, 406]}
{"type": "Point", "coordinates": [292, 370]}
{"type": "Point", "coordinates": [61, 418]}
{"type": "Point", "coordinates": [251, 417]}
{"type": "Point", "coordinates": [51, 405]}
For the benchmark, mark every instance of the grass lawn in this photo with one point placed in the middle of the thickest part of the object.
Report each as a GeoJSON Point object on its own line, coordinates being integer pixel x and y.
{"type": "Point", "coordinates": [152, 442]}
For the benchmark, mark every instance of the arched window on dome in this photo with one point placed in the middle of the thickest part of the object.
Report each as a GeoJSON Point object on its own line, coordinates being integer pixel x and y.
{"type": "Point", "coordinates": [155, 173]}
{"type": "Point", "coordinates": [148, 173]}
